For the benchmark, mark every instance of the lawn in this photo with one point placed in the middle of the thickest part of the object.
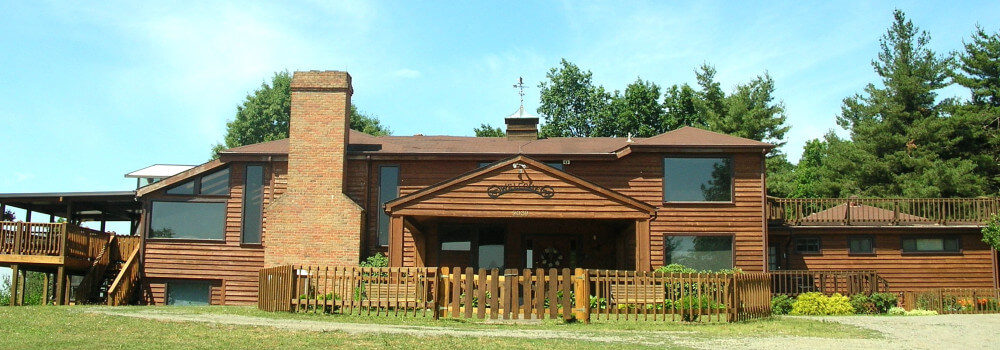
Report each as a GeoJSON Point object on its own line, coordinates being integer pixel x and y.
{"type": "Point", "coordinates": [83, 327]}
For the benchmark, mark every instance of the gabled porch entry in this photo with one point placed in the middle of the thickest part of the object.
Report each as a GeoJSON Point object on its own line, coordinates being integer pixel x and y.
{"type": "Point", "coordinates": [519, 213]}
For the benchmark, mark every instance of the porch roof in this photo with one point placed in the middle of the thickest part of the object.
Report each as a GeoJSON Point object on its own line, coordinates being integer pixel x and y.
{"type": "Point", "coordinates": [86, 206]}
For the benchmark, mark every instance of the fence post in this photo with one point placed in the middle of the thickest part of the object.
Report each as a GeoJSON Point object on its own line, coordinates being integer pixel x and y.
{"type": "Point", "coordinates": [287, 301]}
{"type": "Point", "coordinates": [18, 232]}
{"type": "Point", "coordinates": [581, 289]}
{"type": "Point", "coordinates": [436, 293]}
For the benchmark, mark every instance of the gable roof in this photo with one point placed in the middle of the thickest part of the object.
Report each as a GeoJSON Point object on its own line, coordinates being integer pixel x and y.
{"type": "Point", "coordinates": [574, 181]}
{"type": "Point", "coordinates": [595, 146]}
{"type": "Point", "coordinates": [861, 213]}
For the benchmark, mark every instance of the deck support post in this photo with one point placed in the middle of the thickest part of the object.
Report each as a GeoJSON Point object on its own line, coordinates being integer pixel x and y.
{"type": "Point", "coordinates": [15, 272]}
{"type": "Point", "coordinates": [22, 285]}
{"type": "Point", "coordinates": [60, 281]}
{"type": "Point", "coordinates": [45, 288]}
{"type": "Point", "coordinates": [66, 285]}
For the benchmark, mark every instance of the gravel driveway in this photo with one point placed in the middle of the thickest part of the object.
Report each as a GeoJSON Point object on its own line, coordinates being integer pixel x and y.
{"type": "Point", "coordinates": [964, 332]}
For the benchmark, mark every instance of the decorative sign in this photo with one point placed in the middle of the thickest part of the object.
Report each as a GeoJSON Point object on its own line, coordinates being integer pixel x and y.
{"type": "Point", "coordinates": [495, 191]}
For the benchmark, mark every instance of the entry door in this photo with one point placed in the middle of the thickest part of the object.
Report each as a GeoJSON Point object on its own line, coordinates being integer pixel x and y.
{"type": "Point", "coordinates": [551, 251]}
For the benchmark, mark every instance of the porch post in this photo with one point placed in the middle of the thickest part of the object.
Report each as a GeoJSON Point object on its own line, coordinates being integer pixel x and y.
{"type": "Point", "coordinates": [396, 241]}
{"type": "Point", "coordinates": [642, 262]}
{"type": "Point", "coordinates": [60, 282]}
{"type": "Point", "coordinates": [14, 272]}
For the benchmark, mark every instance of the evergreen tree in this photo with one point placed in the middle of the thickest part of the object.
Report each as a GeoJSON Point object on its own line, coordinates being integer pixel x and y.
{"type": "Point", "coordinates": [901, 136]}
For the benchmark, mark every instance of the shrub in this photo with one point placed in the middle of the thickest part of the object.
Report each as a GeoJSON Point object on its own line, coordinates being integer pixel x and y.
{"type": "Point", "coordinates": [896, 311]}
{"type": "Point", "coordinates": [675, 268]}
{"type": "Point", "coordinates": [377, 260]}
{"type": "Point", "coordinates": [991, 232]}
{"type": "Point", "coordinates": [818, 304]}
{"type": "Point", "coordinates": [883, 301]}
{"type": "Point", "coordinates": [781, 304]}
{"type": "Point", "coordinates": [921, 312]}
{"type": "Point", "coordinates": [862, 304]}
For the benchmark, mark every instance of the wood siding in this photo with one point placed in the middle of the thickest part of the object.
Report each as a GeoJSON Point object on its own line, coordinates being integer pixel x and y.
{"type": "Point", "coordinates": [230, 264]}
{"type": "Point", "coordinates": [973, 267]}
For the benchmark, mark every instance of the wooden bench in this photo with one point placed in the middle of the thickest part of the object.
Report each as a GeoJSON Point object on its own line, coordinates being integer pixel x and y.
{"type": "Point", "coordinates": [638, 294]}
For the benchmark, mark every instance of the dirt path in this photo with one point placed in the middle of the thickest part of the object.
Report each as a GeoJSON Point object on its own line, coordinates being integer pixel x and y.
{"type": "Point", "coordinates": [964, 332]}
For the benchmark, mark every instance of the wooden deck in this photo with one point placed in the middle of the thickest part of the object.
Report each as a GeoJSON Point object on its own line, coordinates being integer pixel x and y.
{"type": "Point", "coordinates": [881, 211]}
{"type": "Point", "coordinates": [63, 249]}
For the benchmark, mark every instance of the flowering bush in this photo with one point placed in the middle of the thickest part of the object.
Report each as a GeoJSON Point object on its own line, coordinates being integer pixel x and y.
{"type": "Point", "coordinates": [819, 304]}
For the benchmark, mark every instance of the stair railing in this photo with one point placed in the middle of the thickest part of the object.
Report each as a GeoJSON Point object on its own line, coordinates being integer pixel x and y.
{"type": "Point", "coordinates": [122, 288]}
{"type": "Point", "coordinates": [96, 272]}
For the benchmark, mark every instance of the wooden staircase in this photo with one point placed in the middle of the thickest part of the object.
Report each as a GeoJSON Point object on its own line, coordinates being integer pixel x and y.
{"type": "Point", "coordinates": [114, 275]}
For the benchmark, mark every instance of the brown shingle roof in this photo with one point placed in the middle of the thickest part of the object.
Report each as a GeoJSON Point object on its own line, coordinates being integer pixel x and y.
{"type": "Point", "coordinates": [683, 137]}
{"type": "Point", "coordinates": [689, 136]}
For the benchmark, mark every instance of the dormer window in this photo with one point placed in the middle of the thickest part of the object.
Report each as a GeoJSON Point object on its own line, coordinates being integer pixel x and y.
{"type": "Point", "coordinates": [697, 179]}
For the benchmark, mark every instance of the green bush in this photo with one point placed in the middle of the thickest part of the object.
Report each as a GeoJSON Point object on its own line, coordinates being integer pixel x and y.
{"type": "Point", "coordinates": [896, 311]}
{"type": "Point", "coordinates": [781, 304]}
{"type": "Point", "coordinates": [819, 304]}
{"type": "Point", "coordinates": [883, 301]}
{"type": "Point", "coordinates": [921, 312]}
{"type": "Point", "coordinates": [377, 260]}
{"type": "Point", "coordinates": [675, 268]}
{"type": "Point", "coordinates": [862, 304]}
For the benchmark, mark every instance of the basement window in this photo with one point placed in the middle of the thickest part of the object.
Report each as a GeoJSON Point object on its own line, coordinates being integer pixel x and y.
{"type": "Point", "coordinates": [690, 179]}
{"type": "Point", "coordinates": [183, 293]}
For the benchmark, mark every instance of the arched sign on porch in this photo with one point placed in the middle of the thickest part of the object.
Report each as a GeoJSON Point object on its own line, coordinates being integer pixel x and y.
{"type": "Point", "coordinates": [525, 185]}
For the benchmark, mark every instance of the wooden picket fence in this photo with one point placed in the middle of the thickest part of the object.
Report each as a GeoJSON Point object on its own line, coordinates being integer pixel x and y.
{"type": "Point", "coordinates": [953, 300]}
{"type": "Point", "coordinates": [845, 282]}
{"type": "Point", "coordinates": [516, 294]}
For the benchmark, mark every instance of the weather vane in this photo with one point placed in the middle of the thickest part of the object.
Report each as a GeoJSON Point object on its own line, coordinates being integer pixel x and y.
{"type": "Point", "coordinates": [520, 87]}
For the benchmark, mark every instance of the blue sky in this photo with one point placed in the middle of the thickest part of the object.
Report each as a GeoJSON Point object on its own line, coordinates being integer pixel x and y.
{"type": "Point", "coordinates": [91, 91]}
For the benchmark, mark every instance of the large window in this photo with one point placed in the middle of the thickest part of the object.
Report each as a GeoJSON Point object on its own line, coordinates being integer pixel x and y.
{"type": "Point", "coordinates": [697, 179]}
{"type": "Point", "coordinates": [388, 189]}
{"type": "Point", "coordinates": [932, 245]}
{"type": "Point", "coordinates": [214, 184]}
{"type": "Point", "coordinates": [189, 293]}
{"type": "Point", "coordinates": [861, 244]}
{"type": "Point", "coordinates": [188, 220]}
{"type": "Point", "coordinates": [253, 203]}
{"type": "Point", "coordinates": [699, 252]}
{"type": "Point", "coordinates": [477, 246]}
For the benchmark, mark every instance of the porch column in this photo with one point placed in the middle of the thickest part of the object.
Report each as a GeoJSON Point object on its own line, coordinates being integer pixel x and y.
{"type": "Point", "coordinates": [396, 241]}
{"type": "Point", "coordinates": [15, 271]}
{"type": "Point", "coordinates": [60, 284]}
{"type": "Point", "coordinates": [642, 262]}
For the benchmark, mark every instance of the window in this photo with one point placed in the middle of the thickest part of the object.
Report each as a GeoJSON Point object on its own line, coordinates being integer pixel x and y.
{"type": "Point", "coordinates": [491, 244]}
{"type": "Point", "coordinates": [861, 245]}
{"type": "Point", "coordinates": [189, 293]}
{"type": "Point", "coordinates": [933, 245]}
{"type": "Point", "coordinates": [699, 252]}
{"type": "Point", "coordinates": [188, 220]}
{"type": "Point", "coordinates": [808, 245]}
{"type": "Point", "coordinates": [697, 180]}
{"type": "Point", "coordinates": [388, 189]}
{"type": "Point", "coordinates": [253, 204]}
{"type": "Point", "coordinates": [214, 184]}
{"type": "Point", "coordinates": [477, 246]}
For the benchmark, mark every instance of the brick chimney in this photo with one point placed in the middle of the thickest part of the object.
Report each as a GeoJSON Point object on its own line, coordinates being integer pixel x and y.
{"type": "Point", "coordinates": [522, 126]}
{"type": "Point", "coordinates": [314, 222]}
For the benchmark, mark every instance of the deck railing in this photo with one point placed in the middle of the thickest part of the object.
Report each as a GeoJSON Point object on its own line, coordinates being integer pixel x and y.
{"type": "Point", "coordinates": [512, 294]}
{"type": "Point", "coordinates": [845, 282]}
{"type": "Point", "coordinates": [881, 211]}
{"type": "Point", "coordinates": [50, 239]}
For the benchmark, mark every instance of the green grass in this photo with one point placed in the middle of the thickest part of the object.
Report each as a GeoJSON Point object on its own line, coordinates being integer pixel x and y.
{"type": "Point", "coordinates": [80, 327]}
